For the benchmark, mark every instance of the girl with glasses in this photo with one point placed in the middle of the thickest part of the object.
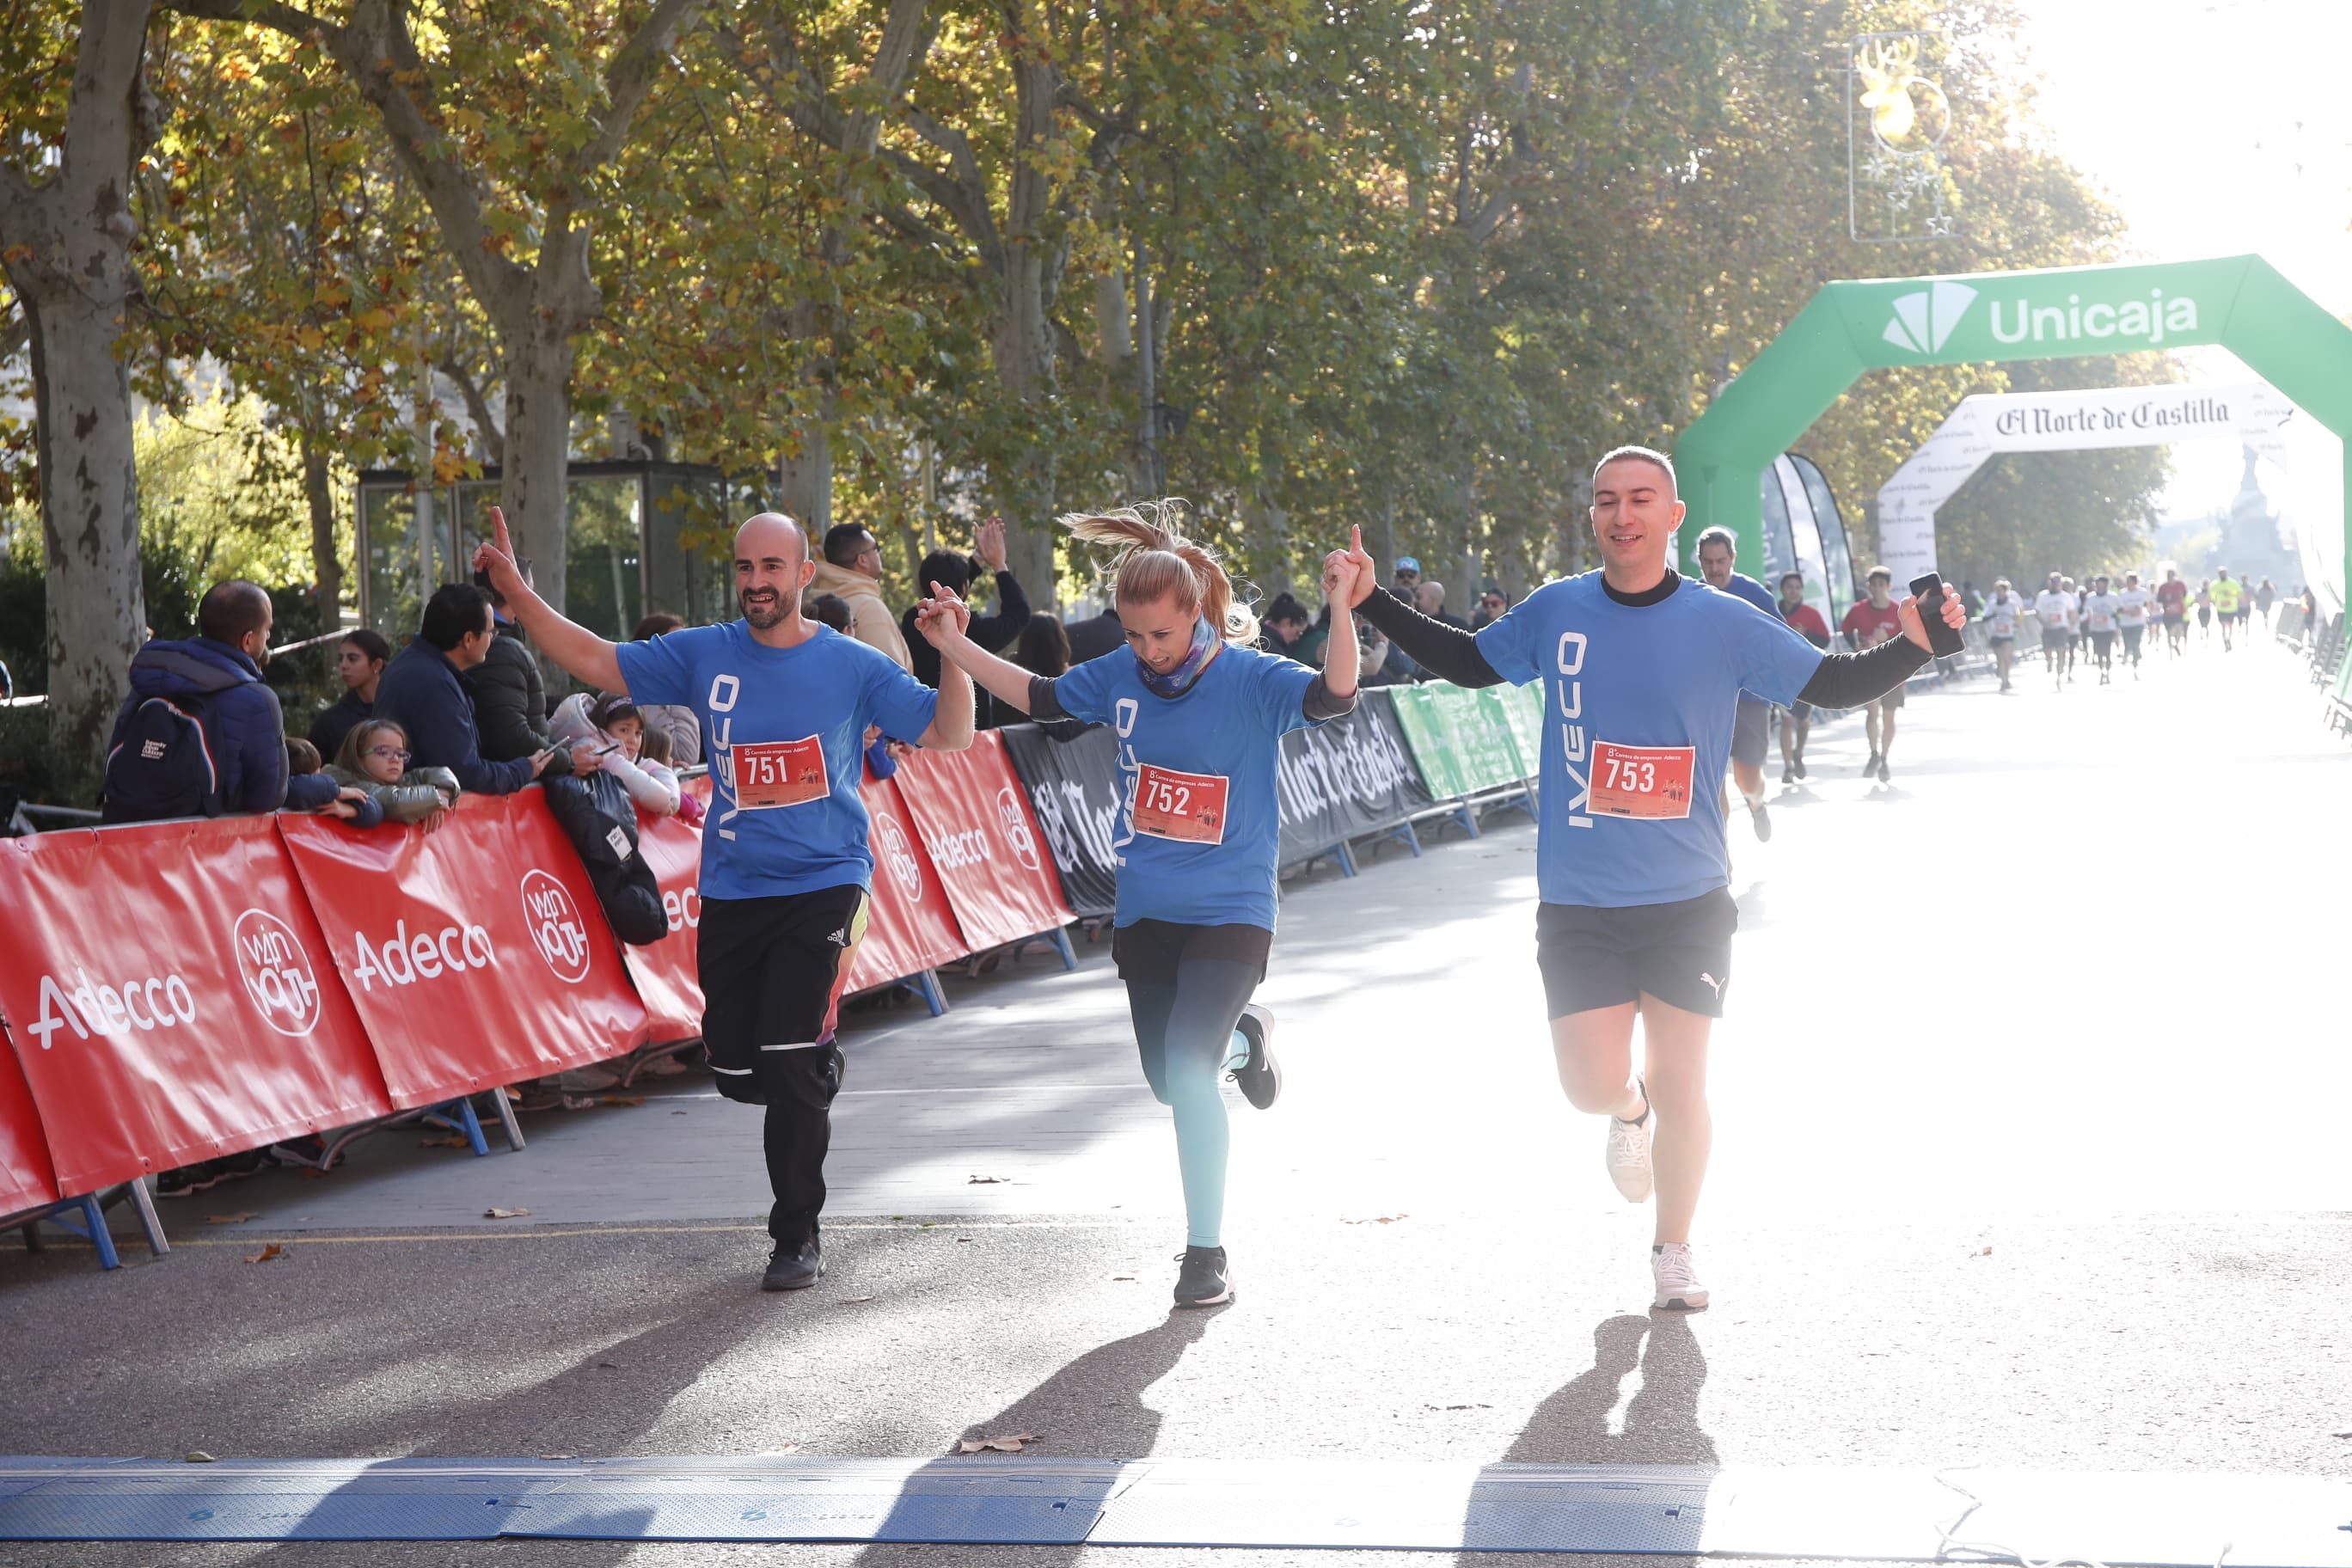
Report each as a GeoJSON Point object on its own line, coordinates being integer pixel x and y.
{"type": "Point", "coordinates": [373, 758]}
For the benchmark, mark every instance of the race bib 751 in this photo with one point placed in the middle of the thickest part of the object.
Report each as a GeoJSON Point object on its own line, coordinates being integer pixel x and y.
{"type": "Point", "coordinates": [780, 772]}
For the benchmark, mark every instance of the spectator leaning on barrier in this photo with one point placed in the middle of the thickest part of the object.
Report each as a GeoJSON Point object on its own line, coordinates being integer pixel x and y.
{"type": "Point", "coordinates": [375, 760]}
{"type": "Point", "coordinates": [310, 789]}
{"type": "Point", "coordinates": [614, 727]}
{"type": "Point", "coordinates": [360, 659]}
{"type": "Point", "coordinates": [201, 733]}
{"type": "Point", "coordinates": [509, 692]}
{"type": "Point", "coordinates": [852, 571]}
{"type": "Point", "coordinates": [787, 869]}
{"type": "Point", "coordinates": [422, 692]}
{"type": "Point", "coordinates": [667, 719]}
{"type": "Point", "coordinates": [994, 633]}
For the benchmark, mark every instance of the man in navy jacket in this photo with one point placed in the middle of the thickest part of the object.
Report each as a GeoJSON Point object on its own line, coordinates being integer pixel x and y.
{"type": "Point", "coordinates": [222, 664]}
{"type": "Point", "coordinates": [421, 690]}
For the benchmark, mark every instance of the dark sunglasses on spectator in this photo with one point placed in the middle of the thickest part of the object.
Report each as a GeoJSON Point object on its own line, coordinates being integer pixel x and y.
{"type": "Point", "coordinates": [1494, 599]}
{"type": "Point", "coordinates": [394, 753]}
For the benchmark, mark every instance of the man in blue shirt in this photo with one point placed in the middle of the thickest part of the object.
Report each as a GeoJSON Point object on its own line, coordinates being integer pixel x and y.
{"type": "Point", "coordinates": [1751, 722]}
{"type": "Point", "coordinates": [786, 874]}
{"type": "Point", "coordinates": [1642, 671]}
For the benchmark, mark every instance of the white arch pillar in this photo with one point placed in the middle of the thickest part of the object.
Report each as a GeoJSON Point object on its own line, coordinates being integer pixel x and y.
{"type": "Point", "coordinates": [1993, 422]}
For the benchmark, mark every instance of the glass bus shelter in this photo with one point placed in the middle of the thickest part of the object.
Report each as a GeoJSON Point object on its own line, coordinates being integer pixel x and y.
{"type": "Point", "coordinates": [644, 536]}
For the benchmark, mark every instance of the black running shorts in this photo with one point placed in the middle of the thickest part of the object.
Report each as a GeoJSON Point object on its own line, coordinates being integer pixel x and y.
{"type": "Point", "coordinates": [1678, 952]}
{"type": "Point", "coordinates": [772, 972]}
{"type": "Point", "coordinates": [1149, 950]}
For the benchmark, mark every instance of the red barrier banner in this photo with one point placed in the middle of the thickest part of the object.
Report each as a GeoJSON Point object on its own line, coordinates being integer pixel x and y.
{"type": "Point", "coordinates": [476, 953]}
{"type": "Point", "coordinates": [664, 971]}
{"type": "Point", "coordinates": [171, 997]}
{"type": "Point", "coordinates": [910, 927]}
{"type": "Point", "coordinates": [26, 1179]}
{"type": "Point", "coordinates": [974, 819]}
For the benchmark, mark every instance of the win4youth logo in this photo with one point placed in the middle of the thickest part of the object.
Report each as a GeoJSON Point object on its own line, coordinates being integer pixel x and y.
{"type": "Point", "coordinates": [1924, 321]}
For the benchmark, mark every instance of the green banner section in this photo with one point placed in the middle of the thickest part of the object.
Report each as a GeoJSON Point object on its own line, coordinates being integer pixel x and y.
{"type": "Point", "coordinates": [1469, 743]}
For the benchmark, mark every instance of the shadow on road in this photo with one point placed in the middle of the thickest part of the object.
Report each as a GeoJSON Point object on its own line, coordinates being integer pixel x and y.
{"type": "Point", "coordinates": [1660, 1426]}
{"type": "Point", "coordinates": [1100, 1394]}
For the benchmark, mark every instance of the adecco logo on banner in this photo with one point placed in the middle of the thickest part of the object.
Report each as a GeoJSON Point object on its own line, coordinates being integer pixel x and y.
{"type": "Point", "coordinates": [898, 855]}
{"type": "Point", "coordinates": [145, 1004]}
{"type": "Point", "coordinates": [2060, 312]}
{"type": "Point", "coordinates": [275, 969]}
{"type": "Point", "coordinates": [1014, 821]}
{"type": "Point", "coordinates": [556, 928]}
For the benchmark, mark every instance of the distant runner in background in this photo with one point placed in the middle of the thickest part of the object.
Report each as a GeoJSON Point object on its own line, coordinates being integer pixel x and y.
{"type": "Point", "coordinates": [2099, 624]}
{"type": "Point", "coordinates": [2054, 609]}
{"type": "Point", "coordinates": [2172, 596]}
{"type": "Point", "coordinates": [2229, 599]}
{"type": "Point", "coordinates": [1751, 728]}
{"type": "Point", "coordinates": [1876, 620]}
{"type": "Point", "coordinates": [2131, 618]}
{"type": "Point", "coordinates": [2001, 613]}
{"type": "Point", "coordinates": [1797, 719]}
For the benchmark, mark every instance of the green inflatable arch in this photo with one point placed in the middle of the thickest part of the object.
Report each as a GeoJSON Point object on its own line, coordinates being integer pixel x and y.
{"type": "Point", "coordinates": [2241, 302]}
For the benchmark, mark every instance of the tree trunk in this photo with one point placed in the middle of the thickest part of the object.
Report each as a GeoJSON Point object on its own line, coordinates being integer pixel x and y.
{"type": "Point", "coordinates": [1023, 484]}
{"type": "Point", "coordinates": [67, 246]}
{"type": "Point", "coordinates": [806, 479]}
{"type": "Point", "coordinates": [538, 362]}
{"type": "Point", "coordinates": [326, 564]}
{"type": "Point", "coordinates": [89, 519]}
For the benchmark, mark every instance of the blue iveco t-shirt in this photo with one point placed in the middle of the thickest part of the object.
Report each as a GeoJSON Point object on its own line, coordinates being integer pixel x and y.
{"type": "Point", "coordinates": [1200, 820]}
{"type": "Point", "coordinates": [783, 730]}
{"type": "Point", "coordinates": [1638, 707]}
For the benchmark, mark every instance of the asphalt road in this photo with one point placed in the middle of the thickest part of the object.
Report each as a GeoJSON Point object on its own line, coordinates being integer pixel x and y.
{"type": "Point", "coordinates": [2030, 1113]}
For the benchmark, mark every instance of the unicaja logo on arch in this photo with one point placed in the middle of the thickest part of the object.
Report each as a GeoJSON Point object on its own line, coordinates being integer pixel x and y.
{"type": "Point", "coordinates": [1925, 319]}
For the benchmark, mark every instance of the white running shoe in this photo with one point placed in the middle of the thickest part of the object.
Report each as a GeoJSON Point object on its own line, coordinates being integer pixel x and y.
{"type": "Point", "coordinates": [1629, 1152]}
{"type": "Point", "coordinates": [1677, 1278]}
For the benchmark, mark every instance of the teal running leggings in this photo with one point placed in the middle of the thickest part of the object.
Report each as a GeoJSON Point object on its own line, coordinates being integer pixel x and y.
{"type": "Point", "coordinates": [1185, 1032]}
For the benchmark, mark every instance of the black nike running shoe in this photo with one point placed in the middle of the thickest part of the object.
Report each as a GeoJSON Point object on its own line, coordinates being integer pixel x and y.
{"type": "Point", "coordinates": [1260, 1078]}
{"type": "Point", "coordinates": [1205, 1280]}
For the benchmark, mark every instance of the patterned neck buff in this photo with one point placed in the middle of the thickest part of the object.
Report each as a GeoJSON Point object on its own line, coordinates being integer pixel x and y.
{"type": "Point", "coordinates": [1179, 680]}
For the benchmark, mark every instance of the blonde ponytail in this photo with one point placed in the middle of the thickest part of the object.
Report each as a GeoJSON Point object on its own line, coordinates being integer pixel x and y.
{"type": "Point", "coordinates": [1157, 562]}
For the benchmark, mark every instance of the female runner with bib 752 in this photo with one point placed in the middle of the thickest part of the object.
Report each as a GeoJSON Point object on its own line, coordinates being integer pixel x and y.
{"type": "Point", "coordinates": [1200, 717]}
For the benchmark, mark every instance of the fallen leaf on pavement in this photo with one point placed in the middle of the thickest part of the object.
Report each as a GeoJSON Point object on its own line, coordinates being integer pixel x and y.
{"type": "Point", "coordinates": [853, 1300]}
{"type": "Point", "coordinates": [2340, 1434]}
{"type": "Point", "coordinates": [1126, 1277]}
{"type": "Point", "coordinates": [266, 1254]}
{"type": "Point", "coordinates": [780, 1453]}
{"type": "Point", "coordinates": [504, 1214]}
{"type": "Point", "coordinates": [198, 1457]}
{"type": "Point", "coordinates": [1986, 1253]}
{"type": "Point", "coordinates": [984, 1181]}
{"type": "Point", "coordinates": [1011, 1444]}
{"type": "Point", "coordinates": [1378, 1219]}
{"type": "Point", "coordinates": [451, 1140]}
{"type": "Point", "coordinates": [229, 1218]}
{"type": "Point", "coordinates": [624, 1098]}
{"type": "Point", "coordinates": [558, 1456]}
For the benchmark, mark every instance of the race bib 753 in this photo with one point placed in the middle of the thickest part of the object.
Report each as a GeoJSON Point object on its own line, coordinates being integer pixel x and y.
{"type": "Point", "coordinates": [1650, 783]}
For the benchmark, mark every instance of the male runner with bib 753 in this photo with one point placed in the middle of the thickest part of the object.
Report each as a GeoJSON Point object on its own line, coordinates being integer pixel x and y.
{"type": "Point", "coordinates": [1641, 670]}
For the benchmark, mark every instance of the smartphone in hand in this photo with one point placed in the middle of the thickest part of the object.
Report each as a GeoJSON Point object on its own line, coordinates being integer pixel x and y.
{"type": "Point", "coordinates": [1929, 590]}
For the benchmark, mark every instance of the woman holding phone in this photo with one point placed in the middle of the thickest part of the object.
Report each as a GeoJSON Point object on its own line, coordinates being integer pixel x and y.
{"type": "Point", "coordinates": [1200, 717]}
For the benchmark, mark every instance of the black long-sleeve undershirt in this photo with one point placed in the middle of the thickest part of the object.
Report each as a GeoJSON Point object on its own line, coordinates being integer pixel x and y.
{"type": "Point", "coordinates": [1318, 704]}
{"type": "Point", "coordinates": [1842, 680]}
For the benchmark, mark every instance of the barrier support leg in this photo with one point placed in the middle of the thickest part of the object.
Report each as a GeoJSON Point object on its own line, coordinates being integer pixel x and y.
{"type": "Point", "coordinates": [473, 1128]}
{"type": "Point", "coordinates": [1468, 816]}
{"type": "Point", "coordinates": [1523, 801]}
{"type": "Point", "coordinates": [1403, 834]}
{"type": "Point", "coordinates": [142, 1204]}
{"type": "Point", "coordinates": [507, 1118]}
{"type": "Point", "coordinates": [91, 1223]}
{"type": "Point", "coordinates": [925, 984]}
{"type": "Point", "coordinates": [1345, 854]}
{"type": "Point", "coordinates": [1060, 937]}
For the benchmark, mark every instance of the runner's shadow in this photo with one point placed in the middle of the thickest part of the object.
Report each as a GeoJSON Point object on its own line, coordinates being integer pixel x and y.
{"type": "Point", "coordinates": [1660, 1426]}
{"type": "Point", "coordinates": [1097, 1399]}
